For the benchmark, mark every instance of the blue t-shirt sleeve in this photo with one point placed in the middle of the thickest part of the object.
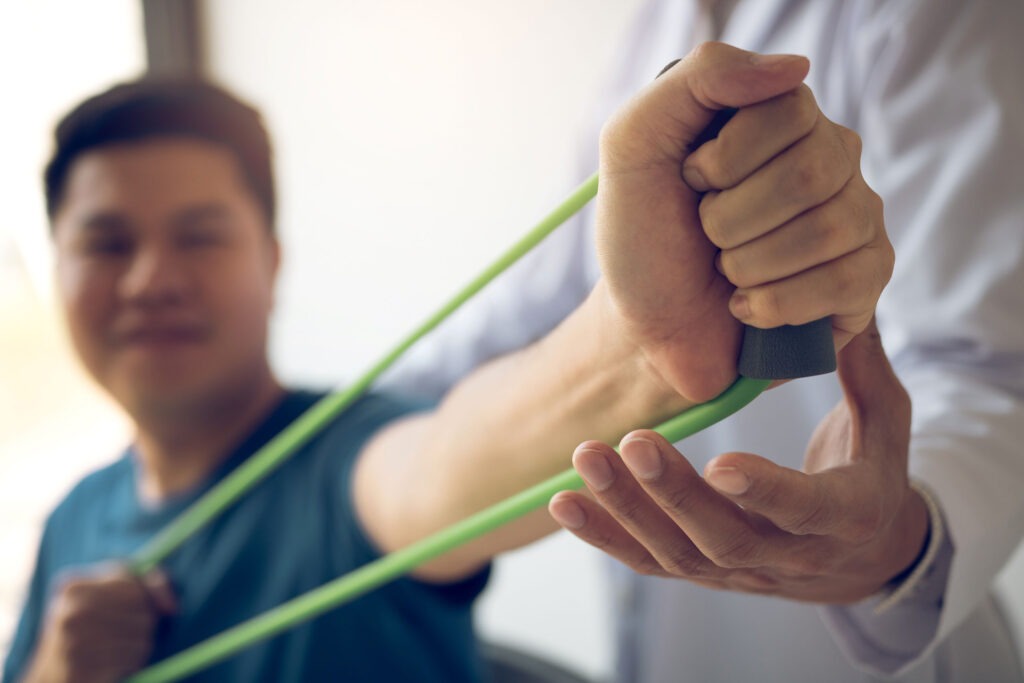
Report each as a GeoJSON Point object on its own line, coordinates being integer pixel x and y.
{"type": "Point", "coordinates": [353, 546]}
{"type": "Point", "coordinates": [29, 625]}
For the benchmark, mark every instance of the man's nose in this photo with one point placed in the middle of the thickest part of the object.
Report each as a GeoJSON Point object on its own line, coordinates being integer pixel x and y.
{"type": "Point", "coordinates": [155, 275]}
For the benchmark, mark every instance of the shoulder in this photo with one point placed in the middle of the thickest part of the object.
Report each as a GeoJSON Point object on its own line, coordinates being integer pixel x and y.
{"type": "Point", "coordinates": [95, 487]}
{"type": "Point", "coordinates": [370, 413]}
{"type": "Point", "coordinates": [334, 447]}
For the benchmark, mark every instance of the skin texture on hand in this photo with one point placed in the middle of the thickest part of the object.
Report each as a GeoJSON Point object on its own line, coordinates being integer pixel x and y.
{"type": "Point", "coordinates": [834, 533]}
{"type": "Point", "coordinates": [770, 223]}
{"type": "Point", "coordinates": [99, 627]}
{"type": "Point", "coordinates": [656, 335]}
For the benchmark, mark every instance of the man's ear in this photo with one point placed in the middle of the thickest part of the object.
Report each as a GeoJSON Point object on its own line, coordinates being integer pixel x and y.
{"type": "Point", "coordinates": [274, 263]}
{"type": "Point", "coordinates": [275, 256]}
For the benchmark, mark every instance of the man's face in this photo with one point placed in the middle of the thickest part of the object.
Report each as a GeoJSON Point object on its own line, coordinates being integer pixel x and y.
{"type": "Point", "coordinates": [165, 268]}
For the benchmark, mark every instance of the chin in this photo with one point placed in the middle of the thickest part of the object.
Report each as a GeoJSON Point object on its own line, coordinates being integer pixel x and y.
{"type": "Point", "coordinates": [170, 398]}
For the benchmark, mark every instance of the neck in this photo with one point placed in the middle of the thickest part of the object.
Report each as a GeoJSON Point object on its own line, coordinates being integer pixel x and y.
{"type": "Point", "coordinates": [177, 453]}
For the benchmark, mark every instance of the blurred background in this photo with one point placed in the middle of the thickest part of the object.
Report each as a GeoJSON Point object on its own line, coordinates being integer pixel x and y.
{"type": "Point", "coordinates": [414, 142]}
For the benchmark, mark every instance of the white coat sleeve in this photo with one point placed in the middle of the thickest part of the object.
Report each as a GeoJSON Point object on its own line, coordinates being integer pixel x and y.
{"type": "Point", "coordinates": [941, 112]}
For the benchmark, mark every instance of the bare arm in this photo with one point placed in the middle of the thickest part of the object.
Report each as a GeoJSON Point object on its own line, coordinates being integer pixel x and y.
{"type": "Point", "coordinates": [510, 424]}
{"type": "Point", "coordinates": [656, 335]}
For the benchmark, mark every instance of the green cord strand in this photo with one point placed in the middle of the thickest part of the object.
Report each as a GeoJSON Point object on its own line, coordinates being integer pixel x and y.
{"type": "Point", "coordinates": [389, 567]}
{"type": "Point", "coordinates": [375, 574]}
{"type": "Point", "coordinates": [277, 451]}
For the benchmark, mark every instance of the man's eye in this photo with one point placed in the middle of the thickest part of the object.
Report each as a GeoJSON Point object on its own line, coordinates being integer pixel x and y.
{"type": "Point", "coordinates": [200, 239]}
{"type": "Point", "coordinates": [108, 246]}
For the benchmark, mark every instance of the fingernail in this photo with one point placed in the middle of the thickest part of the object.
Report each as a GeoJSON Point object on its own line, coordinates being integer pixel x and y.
{"type": "Point", "coordinates": [643, 458]}
{"type": "Point", "coordinates": [568, 514]}
{"type": "Point", "coordinates": [594, 468]}
{"type": "Point", "coordinates": [773, 60]}
{"type": "Point", "coordinates": [739, 306]}
{"type": "Point", "coordinates": [694, 179]}
{"type": "Point", "coordinates": [729, 480]}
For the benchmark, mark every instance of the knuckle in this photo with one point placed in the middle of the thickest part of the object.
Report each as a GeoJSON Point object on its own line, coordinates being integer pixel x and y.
{"type": "Point", "coordinates": [865, 205]}
{"type": "Point", "coordinates": [647, 566]}
{"type": "Point", "coordinates": [876, 206]}
{"type": "Point", "coordinates": [705, 51]}
{"type": "Point", "coordinates": [902, 406]}
{"type": "Point", "coordinates": [733, 268]}
{"type": "Point", "coordinates": [806, 179]}
{"type": "Point", "coordinates": [610, 135]}
{"type": "Point", "coordinates": [715, 166]}
{"type": "Point", "coordinates": [768, 493]}
{"type": "Point", "coordinates": [804, 109]}
{"type": "Point", "coordinates": [685, 562]}
{"type": "Point", "coordinates": [629, 511]}
{"type": "Point", "coordinates": [711, 220]}
{"type": "Point", "coordinates": [829, 233]}
{"type": "Point", "coordinates": [845, 279]}
{"type": "Point", "coordinates": [766, 307]}
{"type": "Point", "coordinates": [887, 263]}
{"type": "Point", "coordinates": [607, 133]}
{"type": "Point", "coordinates": [682, 500]}
{"type": "Point", "coordinates": [851, 142]}
{"type": "Point", "coordinates": [737, 553]}
{"type": "Point", "coordinates": [810, 519]}
{"type": "Point", "coordinates": [865, 225]}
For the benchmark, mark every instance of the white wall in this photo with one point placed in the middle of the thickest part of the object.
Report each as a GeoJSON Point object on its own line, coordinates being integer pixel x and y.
{"type": "Point", "coordinates": [415, 141]}
{"type": "Point", "coordinates": [54, 424]}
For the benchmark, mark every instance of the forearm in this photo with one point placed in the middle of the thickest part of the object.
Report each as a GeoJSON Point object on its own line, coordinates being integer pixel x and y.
{"type": "Point", "coordinates": [511, 424]}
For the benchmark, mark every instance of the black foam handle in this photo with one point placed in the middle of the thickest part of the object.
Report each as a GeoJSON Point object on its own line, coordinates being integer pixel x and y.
{"type": "Point", "coordinates": [785, 352]}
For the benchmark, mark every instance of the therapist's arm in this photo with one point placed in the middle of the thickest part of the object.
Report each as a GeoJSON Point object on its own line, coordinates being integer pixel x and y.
{"type": "Point", "coordinates": [835, 533]}
{"type": "Point", "coordinates": [656, 335]}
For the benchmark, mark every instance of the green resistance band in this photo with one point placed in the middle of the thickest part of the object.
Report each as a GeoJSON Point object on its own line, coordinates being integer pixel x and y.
{"type": "Point", "coordinates": [306, 426]}
{"type": "Point", "coordinates": [377, 573]}
{"type": "Point", "coordinates": [767, 354]}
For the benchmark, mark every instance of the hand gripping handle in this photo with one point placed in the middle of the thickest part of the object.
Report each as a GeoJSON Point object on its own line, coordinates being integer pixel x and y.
{"type": "Point", "coordinates": [785, 352]}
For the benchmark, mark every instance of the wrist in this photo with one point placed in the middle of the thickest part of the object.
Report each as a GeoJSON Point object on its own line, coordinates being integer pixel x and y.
{"type": "Point", "coordinates": [639, 376]}
{"type": "Point", "coordinates": [911, 539]}
{"type": "Point", "coordinates": [907, 582]}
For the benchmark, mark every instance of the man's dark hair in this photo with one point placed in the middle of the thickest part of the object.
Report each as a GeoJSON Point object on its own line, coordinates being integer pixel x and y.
{"type": "Point", "coordinates": [152, 108]}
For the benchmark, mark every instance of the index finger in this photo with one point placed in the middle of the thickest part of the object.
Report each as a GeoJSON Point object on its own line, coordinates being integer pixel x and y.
{"type": "Point", "coordinates": [752, 137]}
{"type": "Point", "coordinates": [724, 532]}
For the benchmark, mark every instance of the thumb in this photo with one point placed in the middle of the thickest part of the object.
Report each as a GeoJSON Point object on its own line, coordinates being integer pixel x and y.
{"type": "Point", "coordinates": [161, 593]}
{"type": "Point", "coordinates": [865, 372]}
{"type": "Point", "coordinates": [675, 108]}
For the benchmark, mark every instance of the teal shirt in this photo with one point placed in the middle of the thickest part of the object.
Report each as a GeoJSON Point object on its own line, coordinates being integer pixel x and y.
{"type": "Point", "coordinates": [293, 532]}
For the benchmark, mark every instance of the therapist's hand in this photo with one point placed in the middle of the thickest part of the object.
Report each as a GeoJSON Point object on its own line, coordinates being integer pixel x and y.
{"type": "Point", "coordinates": [834, 533]}
{"type": "Point", "coordinates": [800, 234]}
